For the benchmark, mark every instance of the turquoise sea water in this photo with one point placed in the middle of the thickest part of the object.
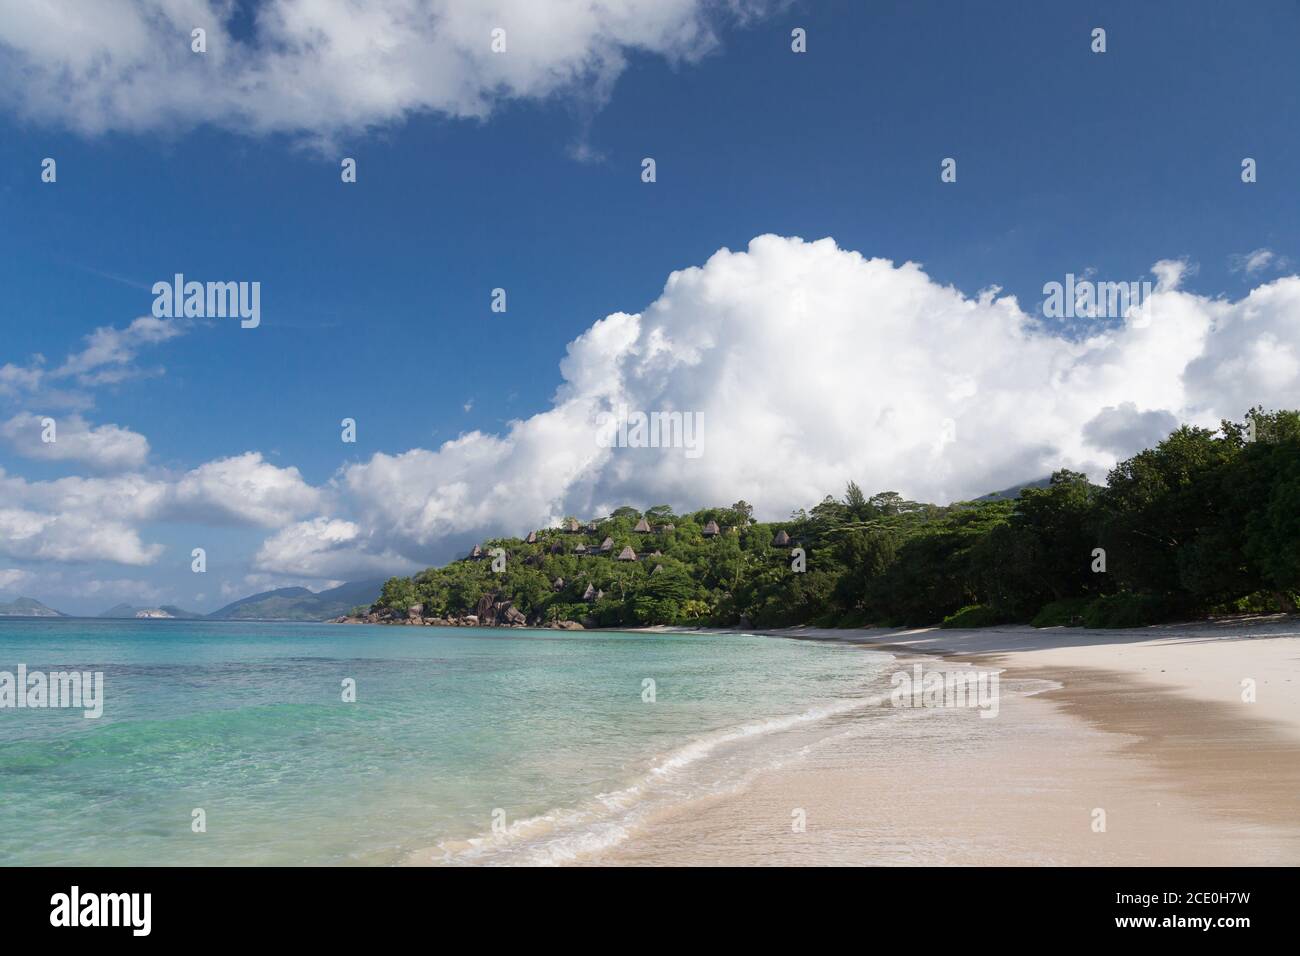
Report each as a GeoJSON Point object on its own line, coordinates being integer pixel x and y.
{"type": "Point", "coordinates": [546, 730]}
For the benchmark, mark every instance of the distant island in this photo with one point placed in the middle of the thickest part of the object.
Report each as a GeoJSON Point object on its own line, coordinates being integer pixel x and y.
{"type": "Point", "coordinates": [27, 607]}
{"type": "Point", "coordinates": [165, 611]}
{"type": "Point", "coordinates": [1206, 523]}
{"type": "Point", "coordinates": [300, 604]}
{"type": "Point", "coordinates": [281, 604]}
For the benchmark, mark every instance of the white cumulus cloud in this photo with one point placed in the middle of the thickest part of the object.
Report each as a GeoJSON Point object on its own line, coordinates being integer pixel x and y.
{"type": "Point", "coordinates": [102, 447]}
{"type": "Point", "coordinates": [243, 490]}
{"type": "Point", "coordinates": [812, 365]}
{"type": "Point", "coordinates": [324, 66]}
{"type": "Point", "coordinates": [806, 365]}
{"type": "Point", "coordinates": [80, 519]}
{"type": "Point", "coordinates": [325, 548]}
{"type": "Point", "coordinates": [72, 537]}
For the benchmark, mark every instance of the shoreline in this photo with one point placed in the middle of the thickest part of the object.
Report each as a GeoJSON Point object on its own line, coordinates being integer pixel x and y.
{"type": "Point", "coordinates": [1148, 726]}
{"type": "Point", "coordinates": [1142, 731]}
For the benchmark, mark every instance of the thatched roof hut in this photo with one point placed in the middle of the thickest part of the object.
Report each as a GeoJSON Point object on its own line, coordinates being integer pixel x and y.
{"type": "Point", "coordinates": [580, 549]}
{"type": "Point", "coordinates": [627, 554]}
{"type": "Point", "coordinates": [781, 540]}
{"type": "Point", "coordinates": [532, 538]}
{"type": "Point", "coordinates": [642, 527]}
{"type": "Point", "coordinates": [607, 545]}
{"type": "Point", "coordinates": [590, 593]}
{"type": "Point", "coordinates": [711, 529]}
{"type": "Point", "coordinates": [571, 526]}
{"type": "Point", "coordinates": [476, 553]}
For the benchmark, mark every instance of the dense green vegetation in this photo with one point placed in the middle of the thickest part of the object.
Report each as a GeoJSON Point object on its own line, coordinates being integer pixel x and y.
{"type": "Point", "coordinates": [1206, 522]}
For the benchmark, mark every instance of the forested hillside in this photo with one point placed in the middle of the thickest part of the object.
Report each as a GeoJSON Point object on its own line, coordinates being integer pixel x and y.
{"type": "Point", "coordinates": [1206, 522]}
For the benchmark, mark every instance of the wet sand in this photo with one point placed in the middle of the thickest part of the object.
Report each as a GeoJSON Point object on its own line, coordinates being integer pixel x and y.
{"type": "Point", "coordinates": [1140, 750]}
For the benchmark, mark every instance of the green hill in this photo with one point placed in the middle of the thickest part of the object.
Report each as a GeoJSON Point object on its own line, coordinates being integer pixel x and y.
{"type": "Point", "coordinates": [300, 604]}
{"type": "Point", "coordinates": [1207, 522]}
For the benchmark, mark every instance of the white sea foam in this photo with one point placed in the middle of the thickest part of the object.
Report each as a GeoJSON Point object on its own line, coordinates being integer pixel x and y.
{"type": "Point", "coordinates": [561, 836]}
{"type": "Point", "coordinates": [608, 819]}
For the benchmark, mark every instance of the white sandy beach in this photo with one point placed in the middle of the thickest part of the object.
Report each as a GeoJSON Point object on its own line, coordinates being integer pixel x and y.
{"type": "Point", "coordinates": [1147, 726]}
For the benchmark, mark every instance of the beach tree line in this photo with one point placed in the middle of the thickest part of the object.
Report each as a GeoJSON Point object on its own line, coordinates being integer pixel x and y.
{"type": "Point", "coordinates": [1207, 522]}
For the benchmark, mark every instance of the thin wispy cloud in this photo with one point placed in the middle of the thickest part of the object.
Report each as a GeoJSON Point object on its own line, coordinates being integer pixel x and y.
{"type": "Point", "coordinates": [1257, 262]}
{"type": "Point", "coordinates": [107, 358]}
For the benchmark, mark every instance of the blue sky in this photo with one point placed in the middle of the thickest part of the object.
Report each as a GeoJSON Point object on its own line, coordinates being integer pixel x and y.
{"type": "Point", "coordinates": [375, 295]}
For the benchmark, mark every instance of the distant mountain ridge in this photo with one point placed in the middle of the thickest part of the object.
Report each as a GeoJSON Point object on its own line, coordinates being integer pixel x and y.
{"type": "Point", "coordinates": [300, 604]}
{"type": "Point", "coordinates": [281, 604]}
{"type": "Point", "coordinates": [1010, 494]}
{"type": "Point", "coordinates": [28, 607]}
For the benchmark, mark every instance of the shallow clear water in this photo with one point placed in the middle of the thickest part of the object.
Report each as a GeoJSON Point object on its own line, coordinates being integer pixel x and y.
{"type": "Point", "coordinates": [545, 729]}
